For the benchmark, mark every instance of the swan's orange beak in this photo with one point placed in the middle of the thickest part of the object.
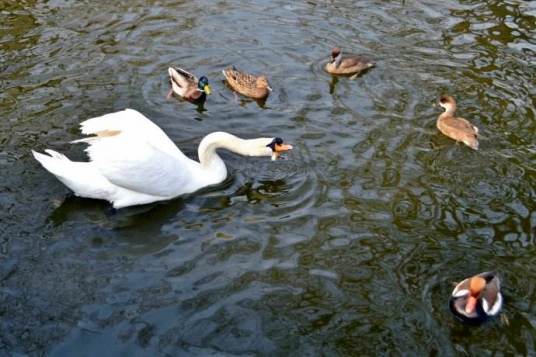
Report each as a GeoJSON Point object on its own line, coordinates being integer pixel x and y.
{"type": "Point", "coordinates": [280, 148]}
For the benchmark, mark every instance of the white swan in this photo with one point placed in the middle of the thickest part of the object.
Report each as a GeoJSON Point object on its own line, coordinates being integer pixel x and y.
{"type": "Point", "coordinates": [133, 162]}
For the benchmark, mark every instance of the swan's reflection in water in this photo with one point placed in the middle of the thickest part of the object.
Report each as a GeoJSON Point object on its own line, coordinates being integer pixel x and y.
{"type": "Point", "coordinates": [141, 226]}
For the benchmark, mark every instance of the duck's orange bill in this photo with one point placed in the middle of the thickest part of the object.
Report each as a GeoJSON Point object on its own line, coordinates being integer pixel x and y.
{"type": "Point", "coordinates": [282, 147]}
{"type": "Point", "coordinates": [471, 305]}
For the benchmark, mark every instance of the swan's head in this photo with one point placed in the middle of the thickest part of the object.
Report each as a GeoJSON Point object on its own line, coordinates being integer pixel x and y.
{"type": "Point", "coordinates": [203, 85]}
{"type": "Point", "coordinates": [276, 147]}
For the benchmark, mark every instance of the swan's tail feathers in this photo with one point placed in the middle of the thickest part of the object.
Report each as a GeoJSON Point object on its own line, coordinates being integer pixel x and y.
{"type": "Point", "coordinates": [57, 164]}
{"type": "Point", "coordinates": [81, 177]}
{"type": "Point", "coordinates": [54, 162]}
{"type": "Point", "coordinates": [52, 153]}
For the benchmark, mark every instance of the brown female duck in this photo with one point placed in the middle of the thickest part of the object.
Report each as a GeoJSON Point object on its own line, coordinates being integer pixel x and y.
{"type": "Point", "coordinates": [256, 87]}
{"type": "Point", "coordinates": [477, 298]}
{"type": "Point", "coordinates": [186, 85]}
{"type": "Point", "coordinates": [349, 64]}
{"type": "Point", "coordinates": [456, 128]}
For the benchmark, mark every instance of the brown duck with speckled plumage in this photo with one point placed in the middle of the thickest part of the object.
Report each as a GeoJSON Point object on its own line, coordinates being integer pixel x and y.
{"type": "Point", "coordinates": [256, 87]}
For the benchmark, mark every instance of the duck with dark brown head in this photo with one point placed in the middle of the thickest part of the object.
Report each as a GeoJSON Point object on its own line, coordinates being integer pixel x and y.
{"type": "Point", "coordinates": [347, 64]}
{"type": "Point", "coordinates": [454, 127]}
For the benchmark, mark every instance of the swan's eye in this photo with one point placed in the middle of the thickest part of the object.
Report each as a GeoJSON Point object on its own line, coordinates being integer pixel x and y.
{"type": "Point", "coordinates": [277, 141]}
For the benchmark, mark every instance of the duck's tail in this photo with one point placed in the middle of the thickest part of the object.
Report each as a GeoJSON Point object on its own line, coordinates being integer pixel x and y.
{"type": "Point", "coordinates": [184, 73]}
{"type": "Point", "coordinates": [179, 81]}
{"type": "Point", "coordinates": [472, 142]}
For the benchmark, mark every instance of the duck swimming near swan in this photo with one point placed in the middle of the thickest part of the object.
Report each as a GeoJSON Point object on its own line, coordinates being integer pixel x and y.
{"type": "Point", "coordinates": [187, 86]}
{"type": "Point", "coordinates": [477, 298]}
{"type": "Point", "coordinates": [256, 87]}
{"type": "Point", "coordinates": [454, 127]}
{"type": "Point", "coordinates": [133, 162]}
{"type": "Point", "coordinates": [348, 64]}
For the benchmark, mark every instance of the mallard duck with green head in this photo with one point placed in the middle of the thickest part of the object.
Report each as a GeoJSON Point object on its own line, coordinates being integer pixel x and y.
{"type": "Point", "coordinates": [186, 85]}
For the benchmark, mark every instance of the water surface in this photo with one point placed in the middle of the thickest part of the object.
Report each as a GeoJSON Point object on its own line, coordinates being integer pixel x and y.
{"type": "Point", "coordinates": [350, 246]}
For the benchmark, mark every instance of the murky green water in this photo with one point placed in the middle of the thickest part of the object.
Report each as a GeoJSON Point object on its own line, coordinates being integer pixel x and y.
{"type": "Point", "coordinates": [348, 247]}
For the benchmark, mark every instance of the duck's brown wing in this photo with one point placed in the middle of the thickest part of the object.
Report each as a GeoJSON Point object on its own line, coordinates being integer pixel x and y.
{"type": "Point", "coordinates": [187, 75]}
{"type": "Point", "coordinates": [492, 290]}
{"type": "Point", "coordinates": [238, 79]}
{"type": "Point", "coordinates": [356, 61]}
{"type": "Point", "coordinates": [456, 127]}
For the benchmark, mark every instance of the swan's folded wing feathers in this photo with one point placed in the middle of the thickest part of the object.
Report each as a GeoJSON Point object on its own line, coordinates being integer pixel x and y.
{"type": "Point", "coordinates": [134, 153]}
{"type": "Point", "coordinates": [137, 165]}
{"type": "Point", "coordinates": [128, 122]}
{"type": "Point", "coordinates": [127, 119]}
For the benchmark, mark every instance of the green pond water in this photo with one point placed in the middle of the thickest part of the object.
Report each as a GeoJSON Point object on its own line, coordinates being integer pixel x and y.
{"type": "Point", "coordinates": [349, 246]}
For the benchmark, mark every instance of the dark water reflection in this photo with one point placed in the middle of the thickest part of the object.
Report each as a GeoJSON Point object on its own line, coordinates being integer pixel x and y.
{"type": "Point", "coordinates": [350, 246]}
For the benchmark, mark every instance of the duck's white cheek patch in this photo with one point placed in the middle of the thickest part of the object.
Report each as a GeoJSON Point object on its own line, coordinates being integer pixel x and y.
{"type": "Point", "coordinates": [460, 293]}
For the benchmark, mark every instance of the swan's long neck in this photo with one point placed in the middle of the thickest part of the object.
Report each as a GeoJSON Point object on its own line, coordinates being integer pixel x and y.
{"type": "Point", "coordinates": [212, 163]}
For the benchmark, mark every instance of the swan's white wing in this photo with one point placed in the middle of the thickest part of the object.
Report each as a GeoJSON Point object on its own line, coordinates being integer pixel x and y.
{"type": "Point", "coordinates": [133, 123]}
{"type": "Point", "coordinates": [129, 161]}
{"type": "Point", "coordinates": [132, 152]}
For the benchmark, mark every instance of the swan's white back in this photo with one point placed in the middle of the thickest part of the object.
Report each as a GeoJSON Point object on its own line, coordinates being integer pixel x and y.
{"type": "Point", "coordinates": [132, 161]}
